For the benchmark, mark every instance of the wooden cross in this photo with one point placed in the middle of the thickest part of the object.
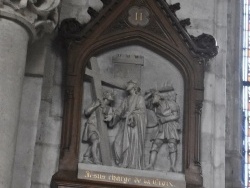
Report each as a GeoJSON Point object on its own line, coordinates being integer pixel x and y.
{"type": "Point", "coordinates": [97, 80]}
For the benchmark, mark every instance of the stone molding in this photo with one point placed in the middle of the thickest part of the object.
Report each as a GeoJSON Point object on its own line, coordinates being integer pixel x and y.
{"type": "Point", "coordinates": [37, 18]}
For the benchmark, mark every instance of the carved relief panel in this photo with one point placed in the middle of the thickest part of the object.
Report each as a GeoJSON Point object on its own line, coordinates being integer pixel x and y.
{"type": "Point", "coordinates": [154, 76]}
{"type": "Point", "coordinates": [136, 78]}
{"type": "Point", "coordinates": [132, 115]}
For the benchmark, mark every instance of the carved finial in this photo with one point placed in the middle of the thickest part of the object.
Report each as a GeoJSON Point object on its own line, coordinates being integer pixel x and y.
{"type": "Point", "coordinates": [92, 12]}
{"type": "Point", "coordinates": [175, 7]}
{"type": "Point", "coordinates": [186, 22]}
{"type": "Point", "coordinates": [206, 45]}
{"type": "Point", "coordinates": [69, 29]}
{"type": "Point", "coordinates": [106, 2]}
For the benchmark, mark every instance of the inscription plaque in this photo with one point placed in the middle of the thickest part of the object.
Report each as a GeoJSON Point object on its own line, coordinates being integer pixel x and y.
{"type": "Point", "coordinates": [128, 177]}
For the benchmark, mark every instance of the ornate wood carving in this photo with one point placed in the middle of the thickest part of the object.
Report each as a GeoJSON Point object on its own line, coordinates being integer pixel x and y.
{"type": "Point", "coordinates": [165, 35]}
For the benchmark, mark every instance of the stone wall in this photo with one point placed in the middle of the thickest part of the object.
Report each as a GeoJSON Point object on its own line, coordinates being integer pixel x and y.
{"type": "Point", "coordinates": [212, 17]}
{"type": "Point", "coordinates": [40, 128]}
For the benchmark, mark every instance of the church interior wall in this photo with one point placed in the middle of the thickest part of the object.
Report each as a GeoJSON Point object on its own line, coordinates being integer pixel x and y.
{"type": "Point", "coordinates": [37, 151]}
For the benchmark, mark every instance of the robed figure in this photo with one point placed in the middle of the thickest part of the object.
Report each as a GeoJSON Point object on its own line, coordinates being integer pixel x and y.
{"type": "Point", "coordinates": [129, 144]}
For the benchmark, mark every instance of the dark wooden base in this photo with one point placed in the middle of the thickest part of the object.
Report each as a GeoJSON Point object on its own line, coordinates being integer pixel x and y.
{"type": "Point", "coordinates": [68, 179]}
{"type": "Point", "coordinates": [65, 179]}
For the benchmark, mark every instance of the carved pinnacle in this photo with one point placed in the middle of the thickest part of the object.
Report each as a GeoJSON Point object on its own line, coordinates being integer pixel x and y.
{"type": "Point", "coordinates": [186, 22]}
{"type": "Point", "coordinates": [92, 12]}
{"type": "Point", "coordinates": [106, 2]}
{"type": "Point", "coordinates": [175, 7]}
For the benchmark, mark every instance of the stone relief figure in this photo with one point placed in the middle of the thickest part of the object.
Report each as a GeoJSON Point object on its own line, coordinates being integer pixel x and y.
{"type": "Point", "coordinates": [129, 144]}
{"type": "Point", "coordinates": [167, 112]}
{"type": "Point", "coordinates": [90, 132]}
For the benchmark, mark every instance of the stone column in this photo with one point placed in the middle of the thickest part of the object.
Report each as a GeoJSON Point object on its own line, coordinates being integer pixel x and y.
{"type": "Point", "coordinates": [13, 39]}
{"type": "Point", "coordinates": [234, 158]}
{"type": "Point", "coordinates": [19, 24]}
{"type": "Point", "coordinates": [29, 111]}
{"type": "Point", "coordinates": [214, 106]}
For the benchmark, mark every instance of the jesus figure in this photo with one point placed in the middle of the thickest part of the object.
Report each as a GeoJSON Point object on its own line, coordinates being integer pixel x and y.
{"type": "Point", "coordinates": [129, 143]}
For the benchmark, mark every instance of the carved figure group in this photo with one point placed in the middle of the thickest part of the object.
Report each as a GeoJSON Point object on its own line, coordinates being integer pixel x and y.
{"type": "Point", "coordinates": [131, 117]}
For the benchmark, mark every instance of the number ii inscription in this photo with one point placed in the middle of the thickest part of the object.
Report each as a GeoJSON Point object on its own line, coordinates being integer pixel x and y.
{"type": "Point", "coordinates": [138, 16]}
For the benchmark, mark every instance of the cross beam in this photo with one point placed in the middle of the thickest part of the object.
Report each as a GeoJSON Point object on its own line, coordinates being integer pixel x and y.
{"type": "Point", "coordinates": [97, 80]}
{"type": "Point", "coordinates": [115, 82]}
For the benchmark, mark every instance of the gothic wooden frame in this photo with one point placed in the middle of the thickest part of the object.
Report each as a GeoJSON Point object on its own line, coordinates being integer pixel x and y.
{"type": "Point", "coordinates": [109, 29]}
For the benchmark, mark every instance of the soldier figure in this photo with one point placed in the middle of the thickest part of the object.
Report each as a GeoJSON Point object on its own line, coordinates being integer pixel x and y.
{"type": "Point", "coordinates": [91, 133]}
{"type": "Point", "coordinates": [168, 113]}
